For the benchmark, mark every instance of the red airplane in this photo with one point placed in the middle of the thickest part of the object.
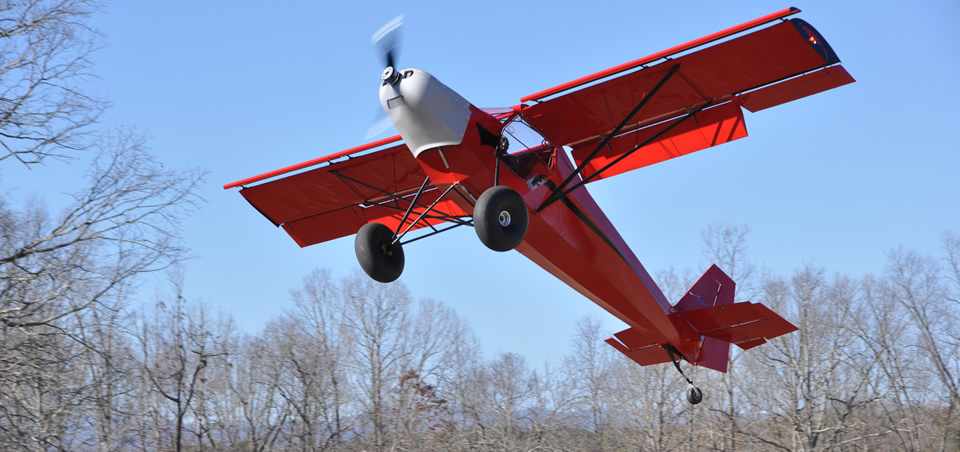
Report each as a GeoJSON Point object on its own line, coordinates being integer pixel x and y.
{"type": "Point", "coordinates": [452, 165]}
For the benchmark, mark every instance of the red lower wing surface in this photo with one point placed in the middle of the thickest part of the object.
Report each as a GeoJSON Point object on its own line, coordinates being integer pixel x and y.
{"type": "Point", "coordinates": [713, 127]}
{"type": "Point", "coordinates": [335, 200]}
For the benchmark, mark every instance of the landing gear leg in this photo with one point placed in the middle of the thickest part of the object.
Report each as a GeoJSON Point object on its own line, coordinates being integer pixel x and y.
{"type": "Point", "coordinates": [694, 394]}
{"type": "Point", "coordinates": [498, 154]}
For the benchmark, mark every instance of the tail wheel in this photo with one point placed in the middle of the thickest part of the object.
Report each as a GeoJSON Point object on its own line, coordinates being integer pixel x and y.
{"type": "Point", "coordinates": [694, 395]}
{"type": "Point", "coordinates": [379, 257]}
{"type": "Point", "coordinates": [500, 218]}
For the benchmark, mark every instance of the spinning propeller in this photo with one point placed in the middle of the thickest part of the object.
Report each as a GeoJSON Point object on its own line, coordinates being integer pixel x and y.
{"type": "Point", "coordinates": [386, 41]}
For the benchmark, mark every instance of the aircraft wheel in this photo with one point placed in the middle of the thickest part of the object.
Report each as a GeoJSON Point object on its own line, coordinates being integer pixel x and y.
{"type": "Point", "coordinates": [500, 218]}
{"type": "Point", "coordinates": [379, 257]}
{"type": "Point", "coordinates": [694, 395]}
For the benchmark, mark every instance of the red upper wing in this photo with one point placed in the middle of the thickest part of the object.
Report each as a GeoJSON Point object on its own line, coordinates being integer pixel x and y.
{"type": "Point", "coordinates": [772, 65]}
{"type": "Point", "coordinates": [335, 200]}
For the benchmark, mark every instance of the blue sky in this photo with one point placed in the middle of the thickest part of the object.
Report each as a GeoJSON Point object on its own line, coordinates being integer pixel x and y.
{"type": "Point", "coordinates": [238, 88]}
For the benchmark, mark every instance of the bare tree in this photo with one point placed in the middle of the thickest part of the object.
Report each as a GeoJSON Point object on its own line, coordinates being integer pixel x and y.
{"type": "Point", "coordinates": [419, 404]}
{"type": "Point", "coordinates": [311, 348]}
{"type": "Point", "coordinates": [248, 406]}
{"type": "Point", "coordinates": [951, 248]}
{"type": "Point", "coordinates": [811, 383]}
{"type": "Point", "coordinates": [591, 366]}
{"type": "Point", "coordinates": [883, 327]}
{"type": "Point", "coordinates": [176, 347]}
{"type": "Point", "coordinates": [320, 318]}
{"type": "Point", "coordinates": [109, 369]}
{"type": "Point", "coordinates": [124, 223]}
{"type": "Point", "coordinates": [918, 285]}
{"type": "Point", "coordinates": [726, 246]}
{"type": "Point", "coordinates": [511, 391]}
{"type": "Point", "coordinates": [45, 48]}
{"type": "Point", "coordinates": [378, 319]}
{"type": "Point", "coordinates": [55, 271]}
{"type": "Point", "coordinates": [465, 388]}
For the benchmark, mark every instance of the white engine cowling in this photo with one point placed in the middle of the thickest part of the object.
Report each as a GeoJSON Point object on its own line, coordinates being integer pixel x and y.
{"type": "Point", "coordinates": [427, 113]}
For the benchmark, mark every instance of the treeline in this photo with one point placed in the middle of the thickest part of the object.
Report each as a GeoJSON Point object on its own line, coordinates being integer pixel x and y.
{"type": "Point", "coordinates": [357, 365]}
{"type": "Point", "coordinates": [88, 363]}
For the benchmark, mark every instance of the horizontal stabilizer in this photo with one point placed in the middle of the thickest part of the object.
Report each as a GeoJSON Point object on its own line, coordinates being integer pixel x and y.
{"type": "Point", "coordinates": [745, 324]}
{"type": "Point", "coordinates": [646, 355]}
{"type": "Point", "coordinates": [712, 322]}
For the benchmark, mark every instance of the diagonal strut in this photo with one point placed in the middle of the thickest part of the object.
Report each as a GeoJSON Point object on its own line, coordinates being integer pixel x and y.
{"type": "Point", "coordinates": [560, 191]}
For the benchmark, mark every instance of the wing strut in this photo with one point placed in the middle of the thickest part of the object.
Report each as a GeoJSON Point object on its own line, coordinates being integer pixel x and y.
{"type": "Point", "coordinates": [560, 191]}
{"type": "Point", "coordinates": [396, 199]}
{"type": "Point", "coordinates": [643, 143]}
{"type": "Point", "coordinates": [397, 236]}
{"type": "Point", "coordinates": [406, 215]}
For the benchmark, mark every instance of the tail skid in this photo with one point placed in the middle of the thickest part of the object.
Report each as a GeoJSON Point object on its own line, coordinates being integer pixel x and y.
{"type": "Point", "coordinates": [712, 322]}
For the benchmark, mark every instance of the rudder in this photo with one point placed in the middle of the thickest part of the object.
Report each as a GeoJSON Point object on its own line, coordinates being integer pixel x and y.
{"type": "Point", "coordinates": [714, 288]}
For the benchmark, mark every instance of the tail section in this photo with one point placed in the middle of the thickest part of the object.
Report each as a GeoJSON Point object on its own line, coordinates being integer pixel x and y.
{"type": "Point", "coordinates": [709, 321]}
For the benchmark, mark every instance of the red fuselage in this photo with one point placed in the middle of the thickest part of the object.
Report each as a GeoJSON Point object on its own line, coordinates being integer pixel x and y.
{"type": "Point", "coordinates": [572, 238]}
